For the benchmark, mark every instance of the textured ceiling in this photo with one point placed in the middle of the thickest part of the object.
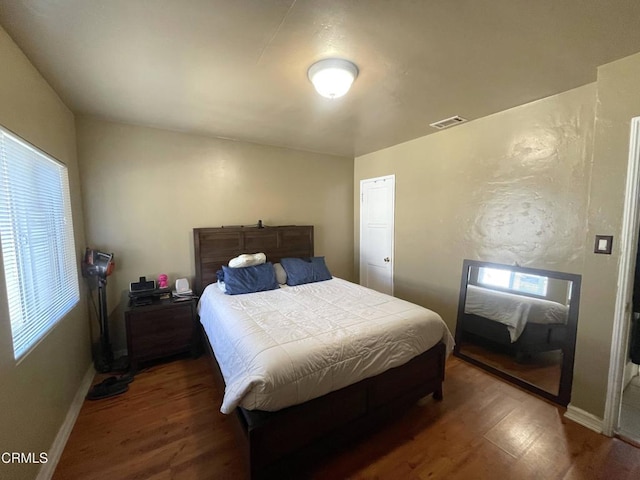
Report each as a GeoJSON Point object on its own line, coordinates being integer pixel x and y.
{"type": "Point", "coordinates": [237, 68]}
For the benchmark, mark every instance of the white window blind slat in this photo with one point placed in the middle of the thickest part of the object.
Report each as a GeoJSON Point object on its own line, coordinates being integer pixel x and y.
{"type": "Point", "coordinates": [36, 234]}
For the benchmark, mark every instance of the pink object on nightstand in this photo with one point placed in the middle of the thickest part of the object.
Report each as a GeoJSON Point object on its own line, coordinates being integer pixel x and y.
{"type": "Point", "coordinates": [163, 281]}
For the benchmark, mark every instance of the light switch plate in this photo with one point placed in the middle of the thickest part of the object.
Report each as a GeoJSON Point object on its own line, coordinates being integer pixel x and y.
{"type": "Point", "coordinates": [603, 244]}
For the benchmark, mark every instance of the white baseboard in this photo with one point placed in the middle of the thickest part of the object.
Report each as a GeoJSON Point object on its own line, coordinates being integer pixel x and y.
{"type": "Point", "coordinates": [55, 452]}
{"type": "Point", "coordinates": [584, 418]}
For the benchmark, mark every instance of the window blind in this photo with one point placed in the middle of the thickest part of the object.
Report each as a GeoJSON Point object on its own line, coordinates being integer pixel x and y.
{"type": "Point", "coordinates": [36, 233]}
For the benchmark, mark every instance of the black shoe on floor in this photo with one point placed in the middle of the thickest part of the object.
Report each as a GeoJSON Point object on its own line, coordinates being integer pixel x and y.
{"type": "Point", "coordinates": [109, 387]}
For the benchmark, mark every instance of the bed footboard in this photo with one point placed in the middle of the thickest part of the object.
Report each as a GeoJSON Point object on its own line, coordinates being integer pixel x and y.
{"type": "Point", "coordinates": [270, 437]}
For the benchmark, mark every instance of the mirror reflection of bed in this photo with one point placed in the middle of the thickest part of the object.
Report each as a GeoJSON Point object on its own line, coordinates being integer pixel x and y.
{"type": "Point", "coordinates": [520, 324]}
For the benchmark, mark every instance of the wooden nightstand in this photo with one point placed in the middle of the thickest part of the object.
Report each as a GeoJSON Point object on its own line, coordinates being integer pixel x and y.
{"type": "Point", "coordinates": [161, 329]}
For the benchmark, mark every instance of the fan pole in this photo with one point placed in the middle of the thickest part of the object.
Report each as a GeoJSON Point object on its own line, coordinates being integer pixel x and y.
{"type": "Point", "coordinates": [104, 359]}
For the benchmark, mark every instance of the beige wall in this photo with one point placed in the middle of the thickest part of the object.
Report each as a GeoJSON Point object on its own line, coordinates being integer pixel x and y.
{"type": "Point", "coordinates": [145, 190]}
{"type": "Point", "coordinates": [618, 103]}
{"type": "Point", "coordinates": [511, 187]}
{"type": "Point", "coordinates": [37, 393]}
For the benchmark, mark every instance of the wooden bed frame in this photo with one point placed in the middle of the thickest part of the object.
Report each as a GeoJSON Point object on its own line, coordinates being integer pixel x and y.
{"type": "Point", "coordinates": [535, 338]}
{"type": "Point", "coordinates": [271, 438]}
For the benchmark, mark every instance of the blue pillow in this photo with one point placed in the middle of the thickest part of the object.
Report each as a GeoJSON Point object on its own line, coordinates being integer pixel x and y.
{"type": "Point", "coordinates": [305, 270]}
{"type": "Point", "coordinates": [257, 278]}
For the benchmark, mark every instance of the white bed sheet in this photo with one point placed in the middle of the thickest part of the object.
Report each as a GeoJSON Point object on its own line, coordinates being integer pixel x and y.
{"type": "Point", "coordinates": [513, 310]}
{"type": "Point", "coordinates": [284, 347]}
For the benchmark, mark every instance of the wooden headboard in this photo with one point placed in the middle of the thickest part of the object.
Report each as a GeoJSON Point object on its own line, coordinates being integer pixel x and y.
{"type": "Point", "coordinates": [214, 247]}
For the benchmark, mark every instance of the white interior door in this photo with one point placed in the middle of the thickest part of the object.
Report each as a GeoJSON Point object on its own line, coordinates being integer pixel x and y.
{"type": "Point", "coordinates": [377, 199]}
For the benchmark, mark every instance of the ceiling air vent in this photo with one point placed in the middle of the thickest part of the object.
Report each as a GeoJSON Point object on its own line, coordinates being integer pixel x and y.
{"type": "Point", "coordinates": [448, 122]}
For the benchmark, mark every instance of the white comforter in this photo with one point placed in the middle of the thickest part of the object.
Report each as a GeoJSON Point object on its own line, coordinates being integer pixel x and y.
{"type": "Point", "coordinates": [513, 310]}
{"type": "Point", "coordinates": [284, 347]}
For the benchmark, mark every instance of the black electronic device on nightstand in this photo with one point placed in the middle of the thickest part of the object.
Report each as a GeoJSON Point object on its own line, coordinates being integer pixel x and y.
{"type": "Point", "coordinates": [142, 292]}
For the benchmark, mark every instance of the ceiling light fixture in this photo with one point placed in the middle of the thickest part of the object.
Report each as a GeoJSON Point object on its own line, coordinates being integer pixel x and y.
{"type": "Point", "coordinates": [332, 77]}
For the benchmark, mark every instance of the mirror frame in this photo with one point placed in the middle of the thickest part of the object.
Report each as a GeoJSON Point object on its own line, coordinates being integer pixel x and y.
{"type": "Point", "coordinates": [566, 376]}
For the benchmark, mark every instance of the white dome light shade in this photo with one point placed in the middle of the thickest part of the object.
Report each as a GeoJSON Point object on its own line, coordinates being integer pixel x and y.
{"type": "Point", "coordinates": [332, 77]}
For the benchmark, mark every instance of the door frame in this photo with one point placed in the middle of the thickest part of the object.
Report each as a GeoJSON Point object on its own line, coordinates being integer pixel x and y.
{"type": "Point", "coordinates": [624, 294]}
{"type": "Point", "coordinates": [393, 226]}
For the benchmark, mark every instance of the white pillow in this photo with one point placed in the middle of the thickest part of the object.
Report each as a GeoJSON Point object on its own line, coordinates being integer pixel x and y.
{"type": "Point", "coordinates": [248, 260]}
{"type": "Point", "coordinates": [281, 275]}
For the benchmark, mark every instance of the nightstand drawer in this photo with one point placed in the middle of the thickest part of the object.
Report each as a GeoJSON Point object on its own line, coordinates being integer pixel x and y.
{"type": "Point", "coordinates": [162, 321]}
{"type": "Point", "coordinates": [160, 330]}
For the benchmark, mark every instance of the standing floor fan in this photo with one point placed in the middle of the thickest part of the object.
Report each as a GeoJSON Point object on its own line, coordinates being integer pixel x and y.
{"type": "Point", "coordinates": [99, 265]}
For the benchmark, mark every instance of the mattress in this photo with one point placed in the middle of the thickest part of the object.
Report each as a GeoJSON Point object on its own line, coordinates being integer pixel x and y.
{"type": "Point", "coordinates": [287, 346]}
{"type": "Point", "coordinates": [513, 310]}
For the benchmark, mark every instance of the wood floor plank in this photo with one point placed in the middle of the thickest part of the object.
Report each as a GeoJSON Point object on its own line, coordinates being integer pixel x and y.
{"type": "Point", "coordinates": [168, 427]}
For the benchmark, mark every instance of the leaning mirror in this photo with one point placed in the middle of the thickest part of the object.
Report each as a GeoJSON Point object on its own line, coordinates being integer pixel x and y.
{"type": "Point", "coordinates": [520, 323]}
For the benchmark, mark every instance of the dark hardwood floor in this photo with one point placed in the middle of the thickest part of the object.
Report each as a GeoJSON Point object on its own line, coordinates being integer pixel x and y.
{"type": "Point", "coordinates": [168, 426]}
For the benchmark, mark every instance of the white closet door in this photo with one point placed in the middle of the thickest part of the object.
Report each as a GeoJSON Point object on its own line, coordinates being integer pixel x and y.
{"type": "Point", "coordinates": [377, 199]}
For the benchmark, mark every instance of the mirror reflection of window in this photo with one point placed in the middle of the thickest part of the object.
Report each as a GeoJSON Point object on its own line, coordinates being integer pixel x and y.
{"type": "Point", "coordinates": [514, 281]}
